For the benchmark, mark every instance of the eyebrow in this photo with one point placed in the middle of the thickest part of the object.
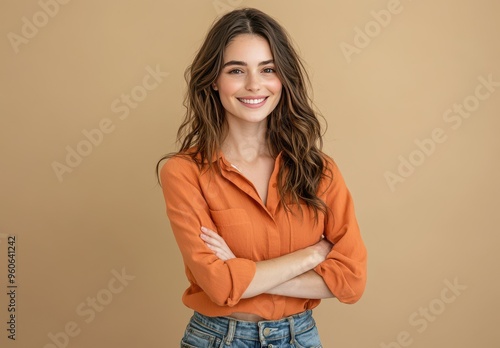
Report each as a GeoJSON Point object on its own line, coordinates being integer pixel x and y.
{"type": "Point", "coordinates": [241, 63]}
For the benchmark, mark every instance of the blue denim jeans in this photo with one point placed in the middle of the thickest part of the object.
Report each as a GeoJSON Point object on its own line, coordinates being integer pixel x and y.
{"type": "Point", "coordinates": [296, 331]}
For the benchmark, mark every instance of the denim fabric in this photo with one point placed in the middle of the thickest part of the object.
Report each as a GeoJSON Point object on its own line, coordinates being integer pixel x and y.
{"type": "Point", "coordinates": [297, 331]}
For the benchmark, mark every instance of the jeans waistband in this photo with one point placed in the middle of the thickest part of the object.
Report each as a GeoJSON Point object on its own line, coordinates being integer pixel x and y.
{"type": "Point", "coordinates": [264, 330]}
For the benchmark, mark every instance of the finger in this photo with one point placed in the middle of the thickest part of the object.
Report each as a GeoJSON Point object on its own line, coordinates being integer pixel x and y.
{"type": "Point", "coordinates": [213, 244]}
{"type": "Point", "coordinates": [216, 240]}
{"type": "Point", "coordinates": [216, 243]}
{"type": "Point", "coordinates": [217, 251]}
{"type": "Point", "coordinates": [211, 247]}
{"type": "Point", "coordinates": [209, 232]}
{"type": "Point", "coordinates": [220, 253]}
{"type": "Point", "coordinates": [211, 240]}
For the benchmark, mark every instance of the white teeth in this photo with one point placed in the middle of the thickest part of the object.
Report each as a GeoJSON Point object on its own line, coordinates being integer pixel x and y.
{"type": "Point", "coordinates": [252, 101]}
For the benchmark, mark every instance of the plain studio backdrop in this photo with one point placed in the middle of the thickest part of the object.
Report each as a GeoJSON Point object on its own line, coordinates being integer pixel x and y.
{"type": "Point", "coordinates": [91, 97]}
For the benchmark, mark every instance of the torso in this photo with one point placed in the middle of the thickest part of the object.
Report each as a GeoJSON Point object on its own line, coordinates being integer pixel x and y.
{"type": "Point", "coordinates": [258, 172]}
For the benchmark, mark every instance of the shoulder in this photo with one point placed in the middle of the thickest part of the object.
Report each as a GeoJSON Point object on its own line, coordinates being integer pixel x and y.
{"type": "Point", "coordinates": [179, 166]}
{"type": "Point", "coordinates": [330, 166]}
{"type": "Point", "coordinates": [332, 177]}
{"type": "Point", "coordinates": [178, 161]}
{"type": "Point", "coordinates": [188, 165]}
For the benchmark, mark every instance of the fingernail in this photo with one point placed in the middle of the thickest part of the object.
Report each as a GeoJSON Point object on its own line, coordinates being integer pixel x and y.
{"type": "Point", "coordinates": [204, 229]}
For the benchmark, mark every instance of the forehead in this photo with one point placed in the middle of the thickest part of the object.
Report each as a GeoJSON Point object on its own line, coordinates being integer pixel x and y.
{"type": "Point", "coordinates": [248, 48]}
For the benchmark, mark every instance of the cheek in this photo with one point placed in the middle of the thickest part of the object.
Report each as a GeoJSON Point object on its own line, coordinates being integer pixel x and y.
{"type": "Point", "coordinates": [227, 91]}
{"type": "Point", "coordinates": [275, 86]}
{"type": "Point", "coordinates": [228, 87]}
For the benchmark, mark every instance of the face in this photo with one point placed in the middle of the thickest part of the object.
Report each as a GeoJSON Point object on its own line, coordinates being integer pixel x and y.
{"type": "Point", "coordinates": [248, 86]}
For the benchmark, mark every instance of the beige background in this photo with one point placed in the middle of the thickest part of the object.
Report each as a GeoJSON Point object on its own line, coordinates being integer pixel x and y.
{"type": "Point", "coordinates": [440, 223]}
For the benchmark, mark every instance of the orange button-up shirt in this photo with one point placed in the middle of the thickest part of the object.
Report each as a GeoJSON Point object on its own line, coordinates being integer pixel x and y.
{"type": "Point", "coordinates": [229, 204]}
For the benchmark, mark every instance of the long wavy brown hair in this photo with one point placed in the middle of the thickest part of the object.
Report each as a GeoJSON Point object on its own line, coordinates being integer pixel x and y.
{"type": "Point", "coordinates": [293, 126]}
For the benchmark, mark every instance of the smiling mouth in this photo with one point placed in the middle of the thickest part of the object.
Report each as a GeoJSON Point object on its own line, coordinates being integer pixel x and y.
{"type": "Point", "coordinates": [252, 101]}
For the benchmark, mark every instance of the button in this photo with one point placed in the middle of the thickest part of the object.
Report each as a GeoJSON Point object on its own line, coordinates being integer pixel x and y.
{"type": "Point", "coordinates": [270, 346]}
{"type": "Point", "coordinates": [267, 331]}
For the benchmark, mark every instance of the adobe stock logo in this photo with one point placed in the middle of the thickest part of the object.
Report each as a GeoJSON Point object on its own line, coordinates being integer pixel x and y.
{"type": "Point", "coordinates": [31, 26]}
{"type": "Point", "coordinates": [364, 36]}
{"type": "Point", "coordinates": [454, 116]}
{"type": "Point", "coordinates": [122, 106]}
{"type": "Point", "coordinates": [224, 6]}
{"type": "Point", "coordinates": [89, 309]}
{"type": "Point", "coordinates": [421, 318]}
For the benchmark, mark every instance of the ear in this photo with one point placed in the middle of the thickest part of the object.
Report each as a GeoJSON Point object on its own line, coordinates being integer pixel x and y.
{"type": "Point", "coordinates": [214, 86]}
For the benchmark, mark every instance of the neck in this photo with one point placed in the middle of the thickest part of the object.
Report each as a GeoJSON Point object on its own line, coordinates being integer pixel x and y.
{"type": "Point", "coordinates": [245, 141]}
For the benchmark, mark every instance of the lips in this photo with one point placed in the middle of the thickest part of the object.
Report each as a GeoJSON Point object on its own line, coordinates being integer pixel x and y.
{"type": "Point", "coordinates": [253, 101]}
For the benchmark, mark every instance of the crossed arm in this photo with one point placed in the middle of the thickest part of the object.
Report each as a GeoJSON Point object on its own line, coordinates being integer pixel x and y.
{"type": "Point", "coordinates": [288, 275]}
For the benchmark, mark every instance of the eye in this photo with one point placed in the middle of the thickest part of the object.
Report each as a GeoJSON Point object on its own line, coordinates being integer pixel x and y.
{"type": "Point", "coordinates": [269, 70]}
{"type": "Point", "coordinates": [235, 71]}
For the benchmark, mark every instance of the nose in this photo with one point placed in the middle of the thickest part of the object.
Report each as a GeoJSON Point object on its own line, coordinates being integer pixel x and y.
{"type": "Point", "coordinates": [253, 82]}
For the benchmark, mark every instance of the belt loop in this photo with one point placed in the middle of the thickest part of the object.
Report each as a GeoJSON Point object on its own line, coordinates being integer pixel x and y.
{"type": "Point", "coordinates": [292, 329]}
{"type": "Point", "coordinates": [231, 330]}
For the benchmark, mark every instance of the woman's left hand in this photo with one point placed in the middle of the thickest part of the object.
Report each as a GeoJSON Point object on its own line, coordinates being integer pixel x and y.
{"type": "Point", "coordinates": [217, 244]}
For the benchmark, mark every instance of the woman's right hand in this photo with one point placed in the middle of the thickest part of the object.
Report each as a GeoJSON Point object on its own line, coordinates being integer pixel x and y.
{"type": "Point", "coordinates": [217, 244]}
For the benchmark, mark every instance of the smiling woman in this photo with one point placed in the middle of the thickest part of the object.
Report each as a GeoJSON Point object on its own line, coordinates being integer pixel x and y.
{"type": "Point", "coordinates": [262, 217]}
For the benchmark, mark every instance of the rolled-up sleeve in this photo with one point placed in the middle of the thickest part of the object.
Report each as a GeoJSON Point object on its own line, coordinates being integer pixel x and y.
{"type": "Point", "coordinates": [344, 270]}
{"type": "Point", "coordinates": [223, 281]}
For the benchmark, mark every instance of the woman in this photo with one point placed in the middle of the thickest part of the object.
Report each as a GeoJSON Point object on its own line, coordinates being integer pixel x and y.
{"type": "Point", "coordinates": [262, 217]}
